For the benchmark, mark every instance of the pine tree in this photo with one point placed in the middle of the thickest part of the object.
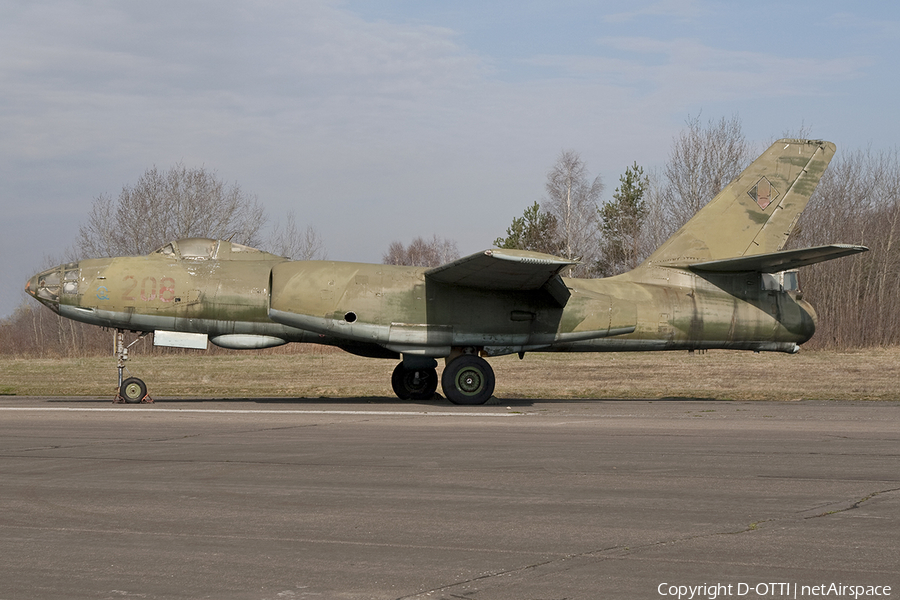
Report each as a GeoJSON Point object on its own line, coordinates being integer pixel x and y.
{"type": "Point", "coordinates": [534, 230]}
{"type": "Point", "coordinates": [621, 221]}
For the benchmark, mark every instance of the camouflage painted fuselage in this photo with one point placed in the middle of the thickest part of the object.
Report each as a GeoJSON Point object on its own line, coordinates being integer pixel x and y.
{"type": "Point", "coordinates": [254, 299]}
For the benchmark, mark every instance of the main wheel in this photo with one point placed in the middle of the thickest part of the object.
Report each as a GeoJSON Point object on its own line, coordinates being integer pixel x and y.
{"type": "Point", "coordinates": [468, 379]}
{"type": "Point", "coordinates": [133, 390]}
{"type": "Point", "coordinates": [414, 384]}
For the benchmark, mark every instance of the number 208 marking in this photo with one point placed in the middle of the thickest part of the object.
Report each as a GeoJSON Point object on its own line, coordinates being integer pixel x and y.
{"type": "Point", "coordinates": [149, 290]}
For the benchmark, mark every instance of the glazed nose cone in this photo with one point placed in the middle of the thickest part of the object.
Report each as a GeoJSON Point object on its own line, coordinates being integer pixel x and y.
{"type": "Point", "coordinates": [45, 286]}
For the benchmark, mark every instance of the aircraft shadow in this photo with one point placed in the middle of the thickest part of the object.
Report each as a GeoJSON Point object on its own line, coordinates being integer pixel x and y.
{"type": "Point", "coordinates": [355, 401]}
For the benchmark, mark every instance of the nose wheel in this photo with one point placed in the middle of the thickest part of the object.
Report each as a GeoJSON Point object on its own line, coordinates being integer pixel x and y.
{"type": "Point", "coordinates": [131, 390]}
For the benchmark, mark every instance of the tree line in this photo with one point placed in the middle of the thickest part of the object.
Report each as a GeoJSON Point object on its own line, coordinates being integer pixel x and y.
{"type": "Point", "coordinates": [857, 298]}
{"type": "Point", "coordinates": [856, 202]}
{"type": "Point", "coordinates": [646, 208]}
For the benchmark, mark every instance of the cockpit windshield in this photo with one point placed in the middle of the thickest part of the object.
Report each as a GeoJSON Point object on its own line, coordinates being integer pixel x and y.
{"type": "Point", "coordinates": [208, 249]}
{"type": "Point", "coordinates": [191, 249]}
{"type": "Point", "coordinates": [198, 248]}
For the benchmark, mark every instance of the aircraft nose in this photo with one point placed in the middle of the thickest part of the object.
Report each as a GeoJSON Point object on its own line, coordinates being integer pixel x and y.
{"type": "Point", "coordinates": [46, 286]}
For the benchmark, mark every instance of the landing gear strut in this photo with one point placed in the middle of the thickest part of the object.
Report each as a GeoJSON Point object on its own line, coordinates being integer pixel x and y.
{"type": "Point", "coordinates": [131, 390]}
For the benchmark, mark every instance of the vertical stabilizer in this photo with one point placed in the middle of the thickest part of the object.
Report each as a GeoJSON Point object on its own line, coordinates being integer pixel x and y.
{"type": "Point", "coordinates": [756, 212]}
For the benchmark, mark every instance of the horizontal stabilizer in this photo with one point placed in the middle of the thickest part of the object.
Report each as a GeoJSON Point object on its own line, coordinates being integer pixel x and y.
{"type": "Point", "coordinates": [501, 270]}
{"type": "Point", "coordinates": [775, 262]}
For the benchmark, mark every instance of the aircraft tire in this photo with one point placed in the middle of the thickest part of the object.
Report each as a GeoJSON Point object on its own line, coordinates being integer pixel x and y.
{"type": "Point", "coordinates": [414, 384]}
{"type": "Point", "coordinates": [468, 380]}
{"type": "Point", "coordinates": [133, 390]}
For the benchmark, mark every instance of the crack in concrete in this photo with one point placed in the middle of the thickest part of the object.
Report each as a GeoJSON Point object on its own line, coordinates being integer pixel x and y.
{"type": "Point", "coordinates": [621, 551]}
{"type": "Point", "coordinates": [504, 573]}
{"type": "Point", "coordinates": [844, 506]}
{"type": "Point", "coordinates": [816, 512]}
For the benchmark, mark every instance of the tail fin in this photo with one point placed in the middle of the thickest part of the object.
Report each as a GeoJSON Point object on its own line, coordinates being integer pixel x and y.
{"type": "Point", "coordinates": [756, 212]}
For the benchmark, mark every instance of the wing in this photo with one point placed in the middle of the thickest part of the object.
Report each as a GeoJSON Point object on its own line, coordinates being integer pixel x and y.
{"type": "Point", "coordinates": [506, 270]}
{"type": "Point", "coordinates": [775, 262]}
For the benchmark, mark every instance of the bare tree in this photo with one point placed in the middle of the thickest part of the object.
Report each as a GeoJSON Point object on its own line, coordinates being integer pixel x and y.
{"type": "Point", "coordinates": [857, 298]}
{"type": "Point", "coordinates": [163, 206]}
{"type": "Point", "coordinates": [703, 160]}
{"type": "Point", "coordinates": [804, 132]}
{"type": "Point", "coordinates": [572, 199]}
{"type": "Point", "coordinates": [288, 240]}
{"type": "Point", "coordinates": [421, 252]}
{"type": "Point", "coordinates": [657, 225]}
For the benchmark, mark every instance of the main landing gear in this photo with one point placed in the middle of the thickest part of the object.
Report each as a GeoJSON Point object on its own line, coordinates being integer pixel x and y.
{"type": "Point", "coordinates": [131, 390]}
{"type": "Point", "coordinates": [467, 379]}
{"type": "Point", "coordinates": [416, 382]}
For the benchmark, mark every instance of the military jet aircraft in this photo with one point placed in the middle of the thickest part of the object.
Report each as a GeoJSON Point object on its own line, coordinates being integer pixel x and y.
{"type": "Point", "coordinates": [722, 281]}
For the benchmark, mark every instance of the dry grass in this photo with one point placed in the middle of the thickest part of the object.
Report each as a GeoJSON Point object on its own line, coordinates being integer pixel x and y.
{"type": "Point", "coordinates": [818, 375]}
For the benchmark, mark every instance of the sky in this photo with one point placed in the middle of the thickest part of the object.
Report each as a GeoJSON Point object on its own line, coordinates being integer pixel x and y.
{"type": "Point", "coordinates": [388, 120]}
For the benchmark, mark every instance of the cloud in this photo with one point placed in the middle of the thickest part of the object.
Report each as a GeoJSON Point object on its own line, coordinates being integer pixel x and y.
{"type": "Point", "coordinates": [686, 73]}
{"type": "Point", "coordinates": [179, 58]}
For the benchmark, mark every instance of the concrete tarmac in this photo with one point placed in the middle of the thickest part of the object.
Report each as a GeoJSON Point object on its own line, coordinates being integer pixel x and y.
{"type": "Point", "coordinates": [377, 498]}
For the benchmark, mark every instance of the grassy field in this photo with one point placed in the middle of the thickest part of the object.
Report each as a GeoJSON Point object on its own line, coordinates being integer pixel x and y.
{"type": "Point", "coordinates": [724, 375]}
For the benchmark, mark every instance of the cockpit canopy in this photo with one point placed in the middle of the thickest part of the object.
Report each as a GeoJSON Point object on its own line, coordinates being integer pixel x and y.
{"type": "Point", "coordinates": [208, 249]}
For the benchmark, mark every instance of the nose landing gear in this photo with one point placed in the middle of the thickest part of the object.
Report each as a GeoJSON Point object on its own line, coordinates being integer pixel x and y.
{"type": "Point", "coordinates": [131, 390]}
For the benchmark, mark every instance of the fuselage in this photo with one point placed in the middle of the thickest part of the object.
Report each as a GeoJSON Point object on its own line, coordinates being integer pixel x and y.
{"type": "Point", "coordinates": [243, 298]}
